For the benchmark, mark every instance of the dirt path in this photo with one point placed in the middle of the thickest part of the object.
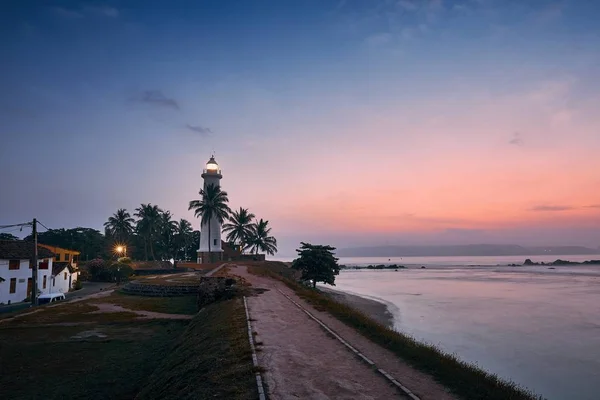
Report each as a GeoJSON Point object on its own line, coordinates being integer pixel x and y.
{"type": "Point", "coordinates": [302, 361]}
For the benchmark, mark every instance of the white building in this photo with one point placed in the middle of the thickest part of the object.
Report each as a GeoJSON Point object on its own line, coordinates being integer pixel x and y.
{"type": "Point", "coordinates": [15, 270]}
{"type": "Point", "coordinates": [211, 175]}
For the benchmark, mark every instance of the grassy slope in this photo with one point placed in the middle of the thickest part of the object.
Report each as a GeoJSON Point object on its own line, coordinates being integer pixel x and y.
{"type": "Point", "coordinates": [45, 361]}
{"type": "Point", "coordinates": [212, 359]}
{"type": "Point", "coordinates": [167, 305]}
{"type": "Point", "coordinates": [467, 381]}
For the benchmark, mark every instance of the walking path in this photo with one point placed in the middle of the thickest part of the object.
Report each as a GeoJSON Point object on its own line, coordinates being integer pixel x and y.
{"type": "Point", "coordinates": [302, 360]}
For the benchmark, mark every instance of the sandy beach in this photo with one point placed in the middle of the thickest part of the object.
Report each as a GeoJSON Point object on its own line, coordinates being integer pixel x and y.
{"type": "Point", "coordinates": [374, 309]}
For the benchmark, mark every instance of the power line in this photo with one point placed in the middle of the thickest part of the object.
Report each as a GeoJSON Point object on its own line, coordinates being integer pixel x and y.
{"type": "Point", "coordinates": [13, 225]}
{"type": "Point", "coordinates": [48, 229]}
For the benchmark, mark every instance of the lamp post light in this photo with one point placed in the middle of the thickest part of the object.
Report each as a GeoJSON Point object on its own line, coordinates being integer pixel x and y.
{"type": "Point", "coordinates": [121, 250]}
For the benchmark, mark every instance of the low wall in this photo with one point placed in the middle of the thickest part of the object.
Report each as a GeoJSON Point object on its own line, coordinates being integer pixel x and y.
{"type": "Point", "coordinates": [144, 289]}
{"type": "Point", "coordinates": [159, 271]}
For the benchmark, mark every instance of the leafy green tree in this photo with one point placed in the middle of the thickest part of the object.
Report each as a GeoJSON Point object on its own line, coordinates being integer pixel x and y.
{"type": "Point", "coordinates": [8, 236]}
{"type": "Point", "coordinates": [317, 264]}
{"type": "Point", "coordinates": [213, 204]}
{"type": "Point", "coordinates": [239, 227]}
{"type": "Point", "coordinates": [148, 226]}
{"type": "Point", "coordinates": [259, 238]}
{"type": "Point", "coordinates": [120, 225]}
{"type": "Point", "coordinates": [183, 237]}
{"type": "Point", "coordinates": [90, 242]}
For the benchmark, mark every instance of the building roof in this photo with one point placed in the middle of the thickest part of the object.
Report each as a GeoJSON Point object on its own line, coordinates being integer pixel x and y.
{"type": "Point", "coordinates": [58, 267]}
{"type": "Point", "coordinates": [21, 250]}
{"type": "Point", "coordinates": [57, 249]}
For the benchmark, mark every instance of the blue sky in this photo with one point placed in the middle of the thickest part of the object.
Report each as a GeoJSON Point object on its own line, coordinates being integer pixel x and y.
{"type": "Point", "coordinates": [122, 102]}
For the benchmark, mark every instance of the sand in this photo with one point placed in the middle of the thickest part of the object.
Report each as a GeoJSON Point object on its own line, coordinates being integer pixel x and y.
{"type": "Point", "coordinates": [374, 309]}
{"type": "Point", "coordinates": [301, 361]}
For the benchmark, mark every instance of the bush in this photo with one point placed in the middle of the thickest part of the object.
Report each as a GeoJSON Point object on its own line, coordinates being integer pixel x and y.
{"type": "Point", "coordinates": [120, 272]}
{"type": "Point", "coordinates": [77, 285]}
{"type": "Point", "coordinates": [124, 260]}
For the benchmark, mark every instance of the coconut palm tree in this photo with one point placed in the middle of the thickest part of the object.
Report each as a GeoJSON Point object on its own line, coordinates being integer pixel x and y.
{"type": "Point", "coordinates": [183, 236]}
{"type": "Point", "coordinates": [148, 226]}
{"type": "Point", "coordinates": [259, 238]}
{"type": "Point", "coordinates": [120, 225]}
{"type": "Point", "coordinates": [212, 205]}
{"type": "Point", "coordinates": [239, 226]}
{"type": "Point", "coordinates": [167, 235]}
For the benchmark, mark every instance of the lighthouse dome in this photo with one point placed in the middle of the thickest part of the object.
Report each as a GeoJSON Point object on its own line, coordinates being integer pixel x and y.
{"type": "Point", "coordinates": [212, 167]}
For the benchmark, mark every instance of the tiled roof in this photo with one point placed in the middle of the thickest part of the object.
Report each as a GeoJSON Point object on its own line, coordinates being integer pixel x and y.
{"type": "Point", "coordinates": [20, 250]}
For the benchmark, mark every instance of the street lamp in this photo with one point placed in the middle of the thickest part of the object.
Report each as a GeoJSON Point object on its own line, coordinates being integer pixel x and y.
{"type": "Point", "coordinates": [121, 250]}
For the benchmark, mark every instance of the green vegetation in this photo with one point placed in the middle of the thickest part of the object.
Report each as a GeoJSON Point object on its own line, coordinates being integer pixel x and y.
{"type": "Point", "coordinates": [466, 380]}
{"type": "Point", "coordinates": [212, 359]}
{"type": "Point", "coordinates": [64, 352]}
{"type": "Point", "coordinates": [239, 227]}
{"type": "Point", "coordinates": [317, 263]}
{"type": "Point", "coordinates": [99, 270]}
{"type": "Point", "coordinates": [260, 238]}
{"type": "Point", "coordinates": [168, 305]}
{"type": "Point", "coordinates": [212, 205]}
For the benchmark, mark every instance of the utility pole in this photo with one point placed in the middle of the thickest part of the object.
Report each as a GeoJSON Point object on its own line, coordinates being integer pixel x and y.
{"type": "Point", "coordinates": [34, 267]}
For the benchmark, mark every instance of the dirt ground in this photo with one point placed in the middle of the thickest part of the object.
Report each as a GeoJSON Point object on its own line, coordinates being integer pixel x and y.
{"type": "Point", "coordinates": [303, 362]}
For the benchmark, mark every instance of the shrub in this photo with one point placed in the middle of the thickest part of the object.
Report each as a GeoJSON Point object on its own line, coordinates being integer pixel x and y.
{"type": "Point", "coordinates": [120, 272]}
{"type": "Point", "coordinates": [77, 285]}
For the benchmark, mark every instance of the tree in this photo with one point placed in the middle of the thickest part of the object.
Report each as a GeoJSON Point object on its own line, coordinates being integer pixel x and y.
{"type": "Point", "coordinates": [259, 239]}
{"type": "Point", "coordinates": [90, 242]}
{"type": "Point", "coordinates": [183, 237]}
{"type": "Point", "coordinates": [166, 242]}
{"type": "Point", "coordinates": [148, 226]}
{"type": "Point", "coordinates": [8, 236]}
{"type": "Point", "coordinates": [212, 205]}
{"type": "Point", "coordinates": [120, 225]}
{"type": "Point", "coordinates": [317, 263]}
{"type": "Point", "coordinates": [239, 226]}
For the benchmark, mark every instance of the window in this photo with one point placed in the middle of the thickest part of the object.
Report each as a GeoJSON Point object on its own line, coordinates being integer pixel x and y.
{"type": "Point", "coordinates": [14, 264]}
{"type": "Point", "coordinates": [75, 258]}
{"type": "Point", "coordinates": [13, 285]}
{"type": "Point", "coordinates": [57, 257]}
{"type": "Point", "coordinates": [65, 276]}
{"type": "Point", "coordinates": [53, 281]}
{"type": "Point", "coordinates": [67, 256]}
{"type": "Point", "coordinates": [43, 265]}
{"type": "Point", "coordinates": [214, 242]}
{"type": "Point", "coordinates": [44, 283]}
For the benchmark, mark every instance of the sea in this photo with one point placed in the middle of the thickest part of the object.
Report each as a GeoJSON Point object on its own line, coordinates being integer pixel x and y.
{"type": "Point", "coordinates": [538, 326]}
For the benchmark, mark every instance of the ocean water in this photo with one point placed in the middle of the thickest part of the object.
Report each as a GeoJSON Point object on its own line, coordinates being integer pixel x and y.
{"type": "Point", "coordinates": [537, 326]}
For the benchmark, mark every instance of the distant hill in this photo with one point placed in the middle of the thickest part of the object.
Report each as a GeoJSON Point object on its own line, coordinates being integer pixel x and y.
{"type": "Point", "coordinates": [463, 250]}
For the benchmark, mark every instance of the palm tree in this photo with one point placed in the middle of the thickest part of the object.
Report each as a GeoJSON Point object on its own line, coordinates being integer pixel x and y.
{"type": "Point", "coordinates": [259, 238]}
{"type": "Point", "coordinates": [212, 205]}
{"type": "Point", "coordinates": [239, 226]}
{"type": "Point", "coordinates": [148, 226]}
{"type": "Point", "coordinates": [120, 225]}
{"type": "Point", "coordinates": [183, 236]}
{"type": "Point", "coordinates": [167, 235]}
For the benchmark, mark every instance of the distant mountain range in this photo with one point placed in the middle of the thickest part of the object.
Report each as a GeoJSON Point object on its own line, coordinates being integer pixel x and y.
{"type": "Point", "coordinates": [463, 250]}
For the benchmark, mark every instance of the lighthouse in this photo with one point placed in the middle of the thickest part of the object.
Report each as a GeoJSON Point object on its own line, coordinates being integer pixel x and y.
{"type": "Point", "coordinates": [211, 175]}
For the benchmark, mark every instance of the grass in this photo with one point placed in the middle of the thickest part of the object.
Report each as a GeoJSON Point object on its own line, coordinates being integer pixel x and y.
{"type": "Point", "coordinates": [45, 362]}
{"type": "Point", "coordinates": [212, 359]}
{"type": "Point", "coordinates": [168, 305]}
{"type": "Point", "coordinates": [465, 380]}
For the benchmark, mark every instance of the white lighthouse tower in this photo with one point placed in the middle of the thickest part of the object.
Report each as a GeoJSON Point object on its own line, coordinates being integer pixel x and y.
{"type": "Point", "coordinates": [211, 175]}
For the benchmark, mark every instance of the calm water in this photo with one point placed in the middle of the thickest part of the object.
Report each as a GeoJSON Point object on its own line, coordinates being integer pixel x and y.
{"type": "Point", "coordinates": [539, 327]}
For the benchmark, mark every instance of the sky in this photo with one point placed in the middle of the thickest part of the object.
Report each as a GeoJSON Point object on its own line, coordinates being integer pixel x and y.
{"type": "Point", "coordinates": [357, 122]}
